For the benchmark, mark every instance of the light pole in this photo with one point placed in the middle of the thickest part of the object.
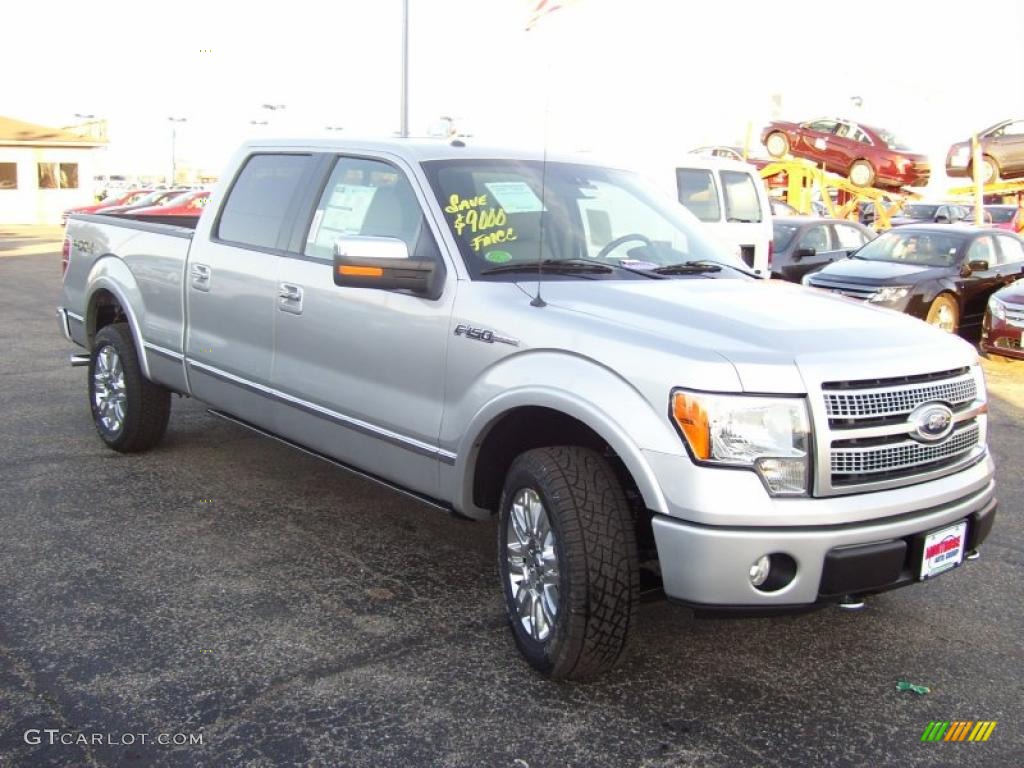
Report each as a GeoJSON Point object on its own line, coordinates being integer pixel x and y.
{"type": "Point", "coordinates": [404, 123]}
{"type": "Point", "coordinates": [174, 138]}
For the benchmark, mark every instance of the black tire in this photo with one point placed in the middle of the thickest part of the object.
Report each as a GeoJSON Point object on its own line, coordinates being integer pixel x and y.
{"type": "Point", "coordinates": [146, 406]}
{"type": "Point", "coordinates": [598, 579]}
{"type": "Point", "coordinates": [944, 303]}
{"type": "Point", "coordinates": [777, 144]}
{"type": "Point", "coordinates": [868, 179]}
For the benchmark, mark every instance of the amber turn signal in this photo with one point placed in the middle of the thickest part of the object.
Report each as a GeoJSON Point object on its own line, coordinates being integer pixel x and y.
{"type": "Point", "coordinates": [693, 421]}
{"type": "Point", "coordinates": [345, 269]}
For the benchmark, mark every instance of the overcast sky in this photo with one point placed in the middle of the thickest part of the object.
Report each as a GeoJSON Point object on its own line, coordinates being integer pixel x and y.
{"type": "Point", "coordinates": [635, 78]}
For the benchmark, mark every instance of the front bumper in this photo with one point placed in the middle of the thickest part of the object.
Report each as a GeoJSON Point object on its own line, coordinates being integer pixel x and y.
{"type": "Point", "coordinates": [708, 566]}
{"type": "Point", "coordinates": [999, 337]}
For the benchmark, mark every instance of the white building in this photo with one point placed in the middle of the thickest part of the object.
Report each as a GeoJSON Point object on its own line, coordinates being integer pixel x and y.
{"type": "Point", "coordinates": [43, 171]}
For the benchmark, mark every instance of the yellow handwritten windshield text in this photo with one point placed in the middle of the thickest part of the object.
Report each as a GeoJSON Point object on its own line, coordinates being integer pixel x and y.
{"type": "Point", "coordinates": [456, 204]}
{"type": "Point", "coordinates": [491, 238]}
{"type": "Point", "coordinates": [480, 220]}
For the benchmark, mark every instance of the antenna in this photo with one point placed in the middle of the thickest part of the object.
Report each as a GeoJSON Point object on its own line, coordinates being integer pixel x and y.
{"type": "Point", "coordinates": [538, 300]}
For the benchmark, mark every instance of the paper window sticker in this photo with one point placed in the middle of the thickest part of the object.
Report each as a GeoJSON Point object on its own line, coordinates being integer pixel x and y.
{"type": "Point", "coordinates": [515, 196]}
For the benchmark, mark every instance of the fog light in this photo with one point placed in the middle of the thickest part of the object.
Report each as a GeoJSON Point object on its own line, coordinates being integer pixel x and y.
{"type": "Point", "coordinates": [759, 570]}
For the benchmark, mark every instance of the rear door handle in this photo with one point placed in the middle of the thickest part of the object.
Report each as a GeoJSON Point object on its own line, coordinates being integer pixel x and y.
{"type": "Point", "coordinates": [290, 298]}
{"type": "Point", "coordinates": [200, 277]}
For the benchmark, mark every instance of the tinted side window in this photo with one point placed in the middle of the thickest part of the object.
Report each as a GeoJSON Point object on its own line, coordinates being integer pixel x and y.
{"type": "Point", "coordinates": [849, 237]}
{"type": "Point", "coordinates": [698, 193]}
{"type": "Point", "coordinates": [816, 237]}
{"type": "Point", "coordinates": [255, 209]}
{"type": "Point", "coordinates": [741, 203]}
{"type": "Point", "coordinates": [982, 249]}
{"type": "Point", "coordinates": [368, 198]}
{"type": "Point", "coordinates": [1013, 250]}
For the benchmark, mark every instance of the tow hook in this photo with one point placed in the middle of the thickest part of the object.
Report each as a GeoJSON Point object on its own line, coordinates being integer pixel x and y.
{"type": "Point", "coordinates": [851, 603]}
{"type": "Point", "coordinates": [973, 554]}
{"type": "Point", "coordinates": [79, 360]}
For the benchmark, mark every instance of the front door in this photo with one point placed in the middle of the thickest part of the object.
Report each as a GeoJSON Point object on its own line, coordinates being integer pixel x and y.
{"type": "Point", "coordinates": [362, 369]}
{"type": "Point", "coordinates": [979, 285]}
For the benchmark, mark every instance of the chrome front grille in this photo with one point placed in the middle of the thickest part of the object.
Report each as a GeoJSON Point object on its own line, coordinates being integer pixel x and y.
{"type": "Point", "coordinates": [870, 442]}
{"type": "Point", "coordinates": [885, 402]}
{"type": "Point", "coordinates": [857, 465]}
{"type": "Point", "coordinates": [1015, 314]}
{"type": "Point", "coordinates": [853, 290]}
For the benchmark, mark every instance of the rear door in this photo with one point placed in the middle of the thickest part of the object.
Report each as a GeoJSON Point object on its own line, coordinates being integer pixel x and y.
{"type": "Point", "coordinates": [1011, 259]}
{"type": "Point", "coordinates": [231, 286]}
{"type": "Point", "coordinates": [746, 216]}
{"type": "Point", "coordinates": [361, 370]}
{"type": "Point", "coordinates": [1009, 148]}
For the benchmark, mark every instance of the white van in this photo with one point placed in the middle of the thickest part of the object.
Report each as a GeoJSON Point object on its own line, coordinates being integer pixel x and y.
{"type": "Point", "coordinates": [729, 196]}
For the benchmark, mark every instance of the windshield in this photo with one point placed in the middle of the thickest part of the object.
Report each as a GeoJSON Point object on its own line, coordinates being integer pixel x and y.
{"type": "Point", "coordinates": [891, 141]}
{"type": "Point", "coordinates": [932, 249]}
{"type": "Point", "coordinates": [920, 212]}
{"type": "Point", "coordinates": [508, 212]}
{"type": "Point", "coordinates": [782, 234]}
{"type": "Point", "coordinates": [1001, 215]}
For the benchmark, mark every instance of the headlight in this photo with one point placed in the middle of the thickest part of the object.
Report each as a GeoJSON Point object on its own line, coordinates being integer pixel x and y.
{"type": "Point", "coordinates": [890, 293]}
{"type": "Point", "coordinates": [960, 157]}
{"type": "Point", "coordinates": [770, 435]}
{"type": "Point", "coordinates": [997, 308]}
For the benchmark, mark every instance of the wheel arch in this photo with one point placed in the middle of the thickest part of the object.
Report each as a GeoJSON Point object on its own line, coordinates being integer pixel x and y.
{"type": "Point", "coordinates": [522, 420]}
{"type": "Point", "coordinates": [113, 295]}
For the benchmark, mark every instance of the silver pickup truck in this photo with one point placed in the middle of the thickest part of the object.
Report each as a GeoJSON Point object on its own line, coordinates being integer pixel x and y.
{"type": "Point", "coordinates": [550, 341]}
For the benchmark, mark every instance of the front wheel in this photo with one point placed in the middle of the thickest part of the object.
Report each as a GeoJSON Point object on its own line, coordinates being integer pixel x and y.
{"type": "Point", "coordinates": [567, 558]}
{"type": "Point", "coordinates": [944, 314]}
{"type": "Point", "coordinates": [777, 144]}
{"type": "Point", "coordinates": [129, 410]}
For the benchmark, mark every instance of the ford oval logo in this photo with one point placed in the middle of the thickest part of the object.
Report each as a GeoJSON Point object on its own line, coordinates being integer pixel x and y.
{"type": "Point", "coordinates": [931, 422]}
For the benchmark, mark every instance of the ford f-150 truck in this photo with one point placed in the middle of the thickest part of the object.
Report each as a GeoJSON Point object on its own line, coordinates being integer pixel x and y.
{"type": "Point", "coordinates": [550, 341]}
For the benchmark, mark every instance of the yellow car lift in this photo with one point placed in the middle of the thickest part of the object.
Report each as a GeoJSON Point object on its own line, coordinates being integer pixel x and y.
{"type": "Point", "coordinates": [803, 177]}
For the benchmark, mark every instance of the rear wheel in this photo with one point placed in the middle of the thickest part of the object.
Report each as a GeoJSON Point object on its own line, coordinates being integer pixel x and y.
{"type": "Point", "coordinates": [777, 144]}
{"type": "Point", "coordinates": [989, 170]}
{"type": "Point", "coordinates": [129, 410]}
{"type": "Point", "coordinates": [944, 314]}
{"type": "Point", "coordinates": [862, 173]}
{"type": "Point", "coordinates": [568, 561]}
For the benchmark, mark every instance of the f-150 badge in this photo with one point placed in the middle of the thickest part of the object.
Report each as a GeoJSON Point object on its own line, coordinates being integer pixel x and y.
{"type": "Point", "coordinates": [484, 334]}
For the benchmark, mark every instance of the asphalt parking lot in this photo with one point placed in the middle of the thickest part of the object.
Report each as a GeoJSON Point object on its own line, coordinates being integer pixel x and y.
{"type": "Point", "coordinates": [229, 589]}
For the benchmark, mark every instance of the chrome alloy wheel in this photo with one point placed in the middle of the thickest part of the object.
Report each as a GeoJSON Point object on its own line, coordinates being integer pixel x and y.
{"type": "Point", "coordinates": [109, 392]}
{"type": "Point", "coordinates": [532, 564]}
{"type": "Point", "coordinates": [944, 319]}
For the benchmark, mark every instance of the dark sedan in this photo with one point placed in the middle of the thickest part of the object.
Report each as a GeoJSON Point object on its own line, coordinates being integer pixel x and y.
{"type": "Point", "coordinates": [930, 213]}
{"type": "Point", "coordinates": [1004, 323]}
{"type": "Point", "coordinates": [801, 244]}
{"type": "Point", "coordinates": [1002, 153]}
{"type": "Point", "coordinates": [867, 156]}
{"type": "Point", "coordinates": [940, 273]}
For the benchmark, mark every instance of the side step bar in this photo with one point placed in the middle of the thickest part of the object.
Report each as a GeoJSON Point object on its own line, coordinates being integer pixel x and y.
{"type": "Point", "coordinates": [365, 475]}
{"type": "Point", "coordinates": [79, 359]}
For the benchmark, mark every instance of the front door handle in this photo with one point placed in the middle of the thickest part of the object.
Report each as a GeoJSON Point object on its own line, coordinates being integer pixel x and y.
{"type": "Point", "coordinates": [200, 277]}
{"type": "Point", "coordinates": [290, 298]}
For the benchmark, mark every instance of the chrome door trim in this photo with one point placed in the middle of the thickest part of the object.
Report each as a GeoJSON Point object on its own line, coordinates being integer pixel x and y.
{"type": "Point", "coordinates": [357, 425]}
{"type": "Point", "coordinates": [164, 352]}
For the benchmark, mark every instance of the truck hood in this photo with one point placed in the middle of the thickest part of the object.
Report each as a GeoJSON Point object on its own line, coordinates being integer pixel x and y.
{"type": "Point", "coordinates": [769, 332]}
{"type": "Point", "coordinates": [870, 272]}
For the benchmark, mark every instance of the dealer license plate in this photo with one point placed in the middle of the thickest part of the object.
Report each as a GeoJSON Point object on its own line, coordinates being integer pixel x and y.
{"type": "Point", "coordinates": [943, 549]}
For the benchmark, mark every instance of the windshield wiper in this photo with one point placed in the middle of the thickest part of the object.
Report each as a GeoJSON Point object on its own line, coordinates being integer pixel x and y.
{"type": "Point", "coordinates": [556, 266]}
{"type": "Point", "coordinates": [699, 266]}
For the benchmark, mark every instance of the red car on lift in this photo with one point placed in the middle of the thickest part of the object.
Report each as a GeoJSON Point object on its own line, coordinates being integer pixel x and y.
{"type": "Point", "coordinates": [126, 198]}
{"type": "Point", "coordinates": [186, 204]}
{"type": "Point", "coordinates": [868, 156]}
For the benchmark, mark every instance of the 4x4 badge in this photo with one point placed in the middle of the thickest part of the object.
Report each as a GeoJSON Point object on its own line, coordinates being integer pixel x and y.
{"type": "Point", "coordinates": [484, 334]}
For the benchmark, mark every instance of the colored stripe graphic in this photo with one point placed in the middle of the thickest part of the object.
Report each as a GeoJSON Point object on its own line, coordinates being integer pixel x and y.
{"type": "Point", "coordinates": [958, 730]}
{"type": "Point", "coordinates": [982, 730]}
